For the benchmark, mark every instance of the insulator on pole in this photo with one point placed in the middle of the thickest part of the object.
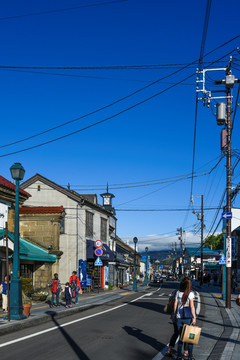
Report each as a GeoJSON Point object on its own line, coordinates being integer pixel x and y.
{"type": "Point", "coordinates": [221, 113]}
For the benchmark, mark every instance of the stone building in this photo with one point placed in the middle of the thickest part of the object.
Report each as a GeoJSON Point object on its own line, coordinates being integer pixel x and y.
{"type": "Point", "coordinates": [42, 227]}
{"type": "Point", "coordinates": [85, 221]}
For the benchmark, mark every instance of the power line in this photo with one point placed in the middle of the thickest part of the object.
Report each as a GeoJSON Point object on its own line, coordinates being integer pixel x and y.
{"type": "Point", "coordinates": [119, 100]}
{"type": "Point", "coordinates": [204, 36]}
{"type": "Point", "coordinates": [99, 109]}
{"type": "Point", "coordinates": [105, 67]}
{"type": "Point", "coordinates": [106, 119]}
{"type": "Point", "coordinates": [61, 10]}
{"type": "Point", "coordinates": [166, 210]}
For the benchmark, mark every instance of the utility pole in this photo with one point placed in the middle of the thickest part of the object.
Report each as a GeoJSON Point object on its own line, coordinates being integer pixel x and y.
{"type": "Point", "coordinates": [175, 272]}
{"type": "Point", "coordinates": [200, 216]}
{"type": "Point", "coordinates": [224, 118]}
{"type": "Point", "coordinates": [180, 233]}
{"type": "Point", "coordinates": [202, 226]}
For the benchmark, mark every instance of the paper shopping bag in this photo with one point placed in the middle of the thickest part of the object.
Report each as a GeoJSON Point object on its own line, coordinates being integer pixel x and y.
{"type": "Point", "coordinates": [190, 334]}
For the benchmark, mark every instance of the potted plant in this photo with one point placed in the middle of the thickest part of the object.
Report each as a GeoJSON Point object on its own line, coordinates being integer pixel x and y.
{"type": "Point", "coordinates": [27, 304]}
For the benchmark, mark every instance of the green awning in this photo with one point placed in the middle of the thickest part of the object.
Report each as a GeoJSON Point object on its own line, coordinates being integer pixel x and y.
{"type": "Point", "coordinates": [29, 251]}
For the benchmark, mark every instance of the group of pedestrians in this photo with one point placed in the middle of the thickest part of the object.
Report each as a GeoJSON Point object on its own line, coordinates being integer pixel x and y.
{"type": "Point", "coordinates": [70, 290]}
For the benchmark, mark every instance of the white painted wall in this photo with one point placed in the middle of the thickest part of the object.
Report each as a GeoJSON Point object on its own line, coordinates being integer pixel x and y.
{"type": "Point", "coordinates": [73, 241]}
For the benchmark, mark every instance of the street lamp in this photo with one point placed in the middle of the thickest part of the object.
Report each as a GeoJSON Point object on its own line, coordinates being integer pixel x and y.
{"type": "Point", "coordinates": [135, 240]}
{"type": "Point", "coordinates": [146, 266]}
{"type": "Point", "coordinates": [17, 172]}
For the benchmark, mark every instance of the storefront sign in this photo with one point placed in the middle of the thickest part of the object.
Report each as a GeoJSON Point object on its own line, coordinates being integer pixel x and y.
{"type": "Point", "coordinates": [228, 252]}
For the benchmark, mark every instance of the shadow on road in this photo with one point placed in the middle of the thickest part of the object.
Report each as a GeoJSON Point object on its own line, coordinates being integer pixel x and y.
{"type": "Point", "coordinates": [80, 354]}
{"type": "Point", "coordinates": [148, 305]}
{"type": "Point", "coordinates": [137, 333]}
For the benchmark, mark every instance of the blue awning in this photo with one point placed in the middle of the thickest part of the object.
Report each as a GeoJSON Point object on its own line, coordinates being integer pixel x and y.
{"type": "Point", "coordinates": [107, 255]}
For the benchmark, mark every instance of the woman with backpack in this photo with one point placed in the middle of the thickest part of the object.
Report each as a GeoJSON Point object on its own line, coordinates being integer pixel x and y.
{"type": "Point", "coordinates": [55, 288]}
{"type": "Point", "coordinates": [184, 312]}
{"type": "Point", "coordinates": [169, 309]}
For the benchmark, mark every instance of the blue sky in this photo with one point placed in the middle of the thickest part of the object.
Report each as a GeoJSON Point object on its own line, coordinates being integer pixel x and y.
{"type": "Point", "coordinates": [151, 141]}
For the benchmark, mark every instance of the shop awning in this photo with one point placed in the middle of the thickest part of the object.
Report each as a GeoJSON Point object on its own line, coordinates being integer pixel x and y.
{"type": "Point", "coordinates": [107, 255]}
{"type": "Point", "coordinates": [29, 251]}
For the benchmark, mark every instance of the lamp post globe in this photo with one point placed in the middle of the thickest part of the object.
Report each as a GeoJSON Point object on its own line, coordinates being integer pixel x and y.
{"type": "Point", "coordinates": [17, 172]}
{"type": "Point", "coordinates": [135, 240]}
{"type": "Point", "coordinates": [146, 266]}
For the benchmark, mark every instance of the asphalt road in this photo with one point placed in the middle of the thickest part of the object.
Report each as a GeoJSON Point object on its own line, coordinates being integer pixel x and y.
{"type": "Point", "coordinates": [132, 328]}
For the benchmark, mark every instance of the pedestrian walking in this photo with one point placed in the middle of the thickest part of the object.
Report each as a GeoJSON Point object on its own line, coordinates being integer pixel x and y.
{"type": "Point", "coordinates": [184, 312]}
{"type": "Point", "coordinates": [3, 290]}
{"type": "Point", "coordinates": [75, 285]}
{"type": "Point", "coordinates": [55, 285]}
{"type": "Point", "coordinates": [238, 300]}
{"type": "Point", "coordinates": [174, 336]}
{"type": "Point", "coordinates": [68, 295]}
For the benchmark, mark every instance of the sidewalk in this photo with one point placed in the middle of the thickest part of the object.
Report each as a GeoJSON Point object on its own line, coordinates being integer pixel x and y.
{"type": "Point", "coordinates": [41, 312]}
{"type": "Point", "coordinates": [220, 336]}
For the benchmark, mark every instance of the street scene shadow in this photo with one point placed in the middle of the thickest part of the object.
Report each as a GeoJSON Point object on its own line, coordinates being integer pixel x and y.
{"type": "Point", "coordinates": [148, 305]}
{"type": "Point", "coordinates": [79, 353]}
{"type": "Point", "coordinates": [137, 333]}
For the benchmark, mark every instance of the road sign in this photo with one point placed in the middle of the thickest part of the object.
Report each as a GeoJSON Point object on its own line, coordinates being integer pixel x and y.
{"type": "Point", "coordinates": [160, 266]}
{"type": "Point", "coordinates": [227, 215]}
{"type": "Point", "coordinates": [98, 262]}
{"type": "Point", "coordinates": [222, 260]}
{"type": "Point", "coordinates": [98, 243]}
{"type": "Point", "coordinates": [98, 252]}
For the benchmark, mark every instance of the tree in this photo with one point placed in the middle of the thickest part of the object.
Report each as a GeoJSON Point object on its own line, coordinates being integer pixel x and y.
{"type": "Point", "coordinates": [214, 242]}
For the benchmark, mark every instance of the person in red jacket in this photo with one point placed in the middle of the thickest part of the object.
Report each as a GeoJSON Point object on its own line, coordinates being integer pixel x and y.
{"type": "Point", "coordinates": [75, 285]}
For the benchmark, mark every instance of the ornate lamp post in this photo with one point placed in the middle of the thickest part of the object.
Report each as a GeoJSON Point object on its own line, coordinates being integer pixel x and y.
{"type": "Point", "coordinates": [17, 172]}
{"type": "Point", "coordinates": [146, 266]}
{"type": "Point", "coordinates": [135, 240]}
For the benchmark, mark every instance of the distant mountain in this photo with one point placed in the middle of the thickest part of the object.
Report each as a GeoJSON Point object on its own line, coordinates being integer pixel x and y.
{"type": "Point", "coordinates": [159, 254]}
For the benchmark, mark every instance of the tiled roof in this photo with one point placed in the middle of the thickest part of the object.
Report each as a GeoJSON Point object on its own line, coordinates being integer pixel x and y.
{"type": "Point", "coordinates": [41, 210]}
{"type": "Point", "coordinates": [9, 185]}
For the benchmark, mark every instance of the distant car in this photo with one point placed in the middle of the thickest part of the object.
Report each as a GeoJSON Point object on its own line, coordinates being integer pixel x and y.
{"type": "Point", "coordinates": [170, 277]}
{"type": "Point", "coordinates": [164, 276]}
{"type": "Point", "coordinates": [158, 279]}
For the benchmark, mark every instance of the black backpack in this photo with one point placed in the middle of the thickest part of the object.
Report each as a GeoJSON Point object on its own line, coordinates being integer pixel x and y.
{"type": "Point", "coordinates": [74, 284]}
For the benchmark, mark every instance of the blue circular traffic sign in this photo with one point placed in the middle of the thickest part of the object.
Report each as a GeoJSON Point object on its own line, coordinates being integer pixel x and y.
{"type": "Point", "coordinates": [98, 252]}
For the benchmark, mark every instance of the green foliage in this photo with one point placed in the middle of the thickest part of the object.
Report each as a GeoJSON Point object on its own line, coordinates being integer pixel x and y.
{"type": "Point", "coordinates": [110, 286]}
{"type": "Point", "coordinates": [27, 286]}
{"type": "Point", "coordinates": [214, 242]}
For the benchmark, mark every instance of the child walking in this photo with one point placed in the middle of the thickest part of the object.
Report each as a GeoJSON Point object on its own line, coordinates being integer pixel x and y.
{"type": "Point", "coordinates": [68, 295]}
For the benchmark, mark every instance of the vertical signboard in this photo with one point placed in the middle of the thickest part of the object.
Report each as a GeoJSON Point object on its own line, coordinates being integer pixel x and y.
{"type": "Point", "coordinates": [228, 252]}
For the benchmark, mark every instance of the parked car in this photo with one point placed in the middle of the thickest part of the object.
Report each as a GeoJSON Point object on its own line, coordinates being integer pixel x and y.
{"type": "Point", "coordinates": [158, 279]}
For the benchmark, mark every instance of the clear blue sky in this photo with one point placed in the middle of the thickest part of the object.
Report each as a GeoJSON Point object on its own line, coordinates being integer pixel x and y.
{"type": "Point", "coordinates": [151, 141]}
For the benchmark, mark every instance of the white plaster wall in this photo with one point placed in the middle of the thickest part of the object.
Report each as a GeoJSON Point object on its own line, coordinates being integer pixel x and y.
{"type": "Point", "coordinates": [73, 241]}
{"type": "Point", "coordinates": [48, 196]}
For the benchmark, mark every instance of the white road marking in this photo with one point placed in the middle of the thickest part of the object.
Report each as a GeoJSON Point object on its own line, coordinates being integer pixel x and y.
{"type": "Point", "coordinates": [161, 294]}
{"type": "Point", "coordinates": [66, 324]}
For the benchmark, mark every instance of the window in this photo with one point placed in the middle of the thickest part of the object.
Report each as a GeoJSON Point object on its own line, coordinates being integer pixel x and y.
{"type": "Point", "coordinates": [26, 271]}
{"type": "Point", "coordinates": [62, 226]}
{"type": "Point", "coordinates": [103, 229]}
{"type": "Point", "coordinates": [38, 188]}
{"type": "Point", "coordinates": [89, 224]}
